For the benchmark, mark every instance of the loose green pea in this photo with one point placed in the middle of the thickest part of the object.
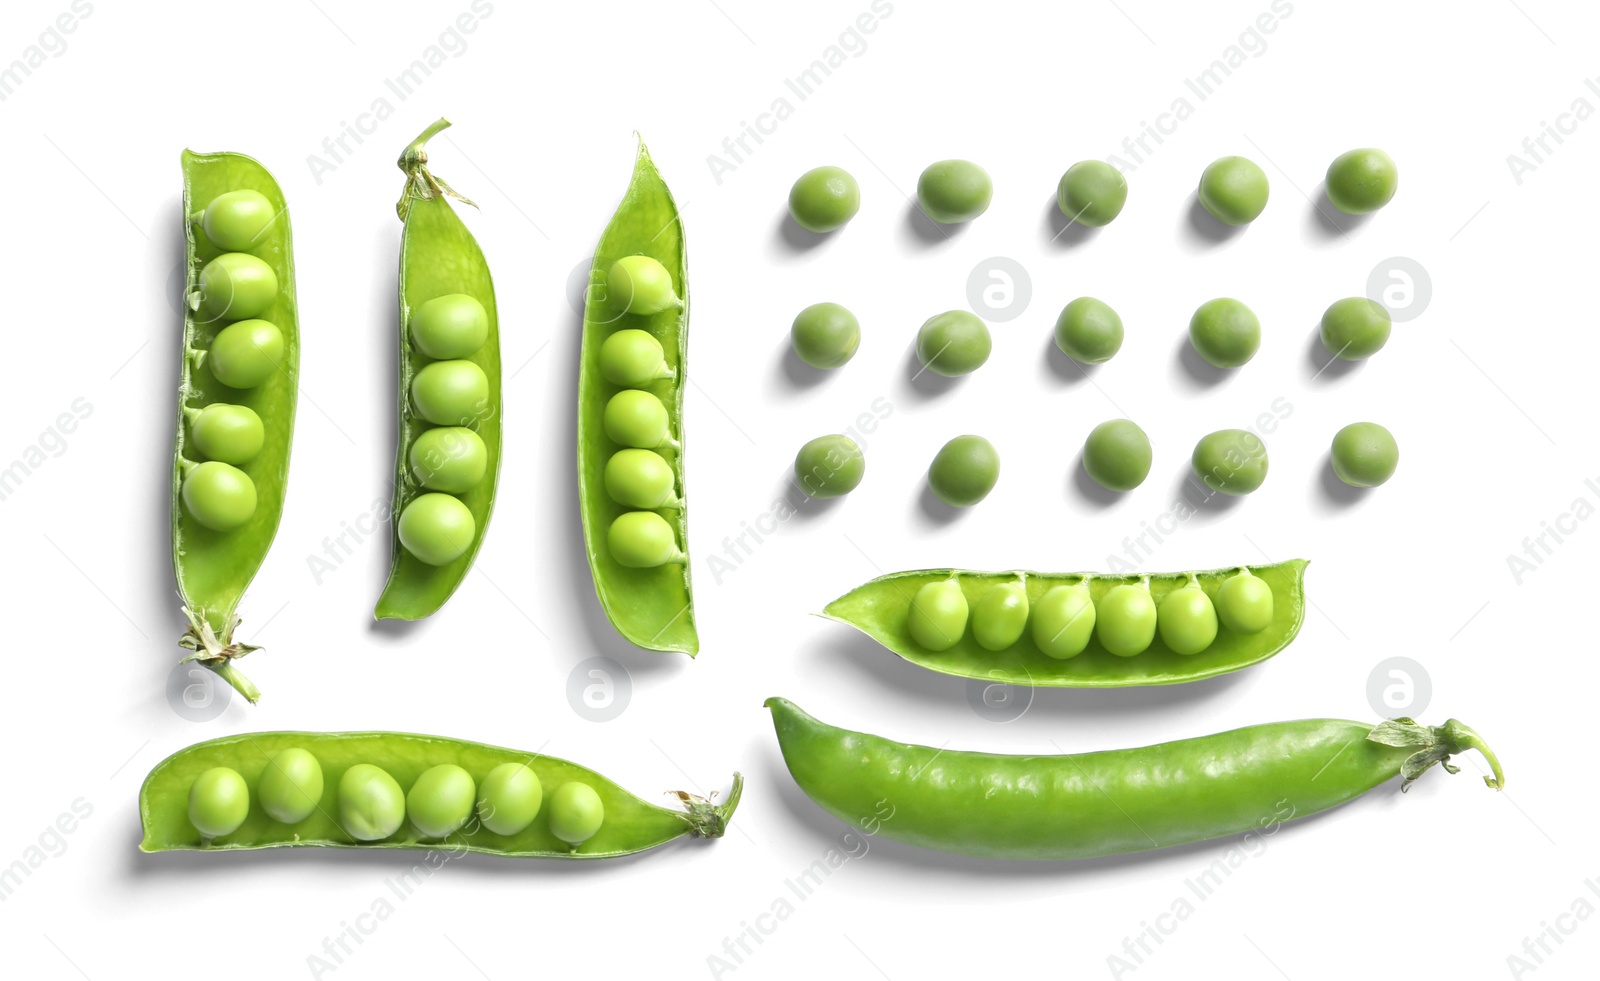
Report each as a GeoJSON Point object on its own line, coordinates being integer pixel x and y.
{"type": "Point", "coordinates": [451, 326]}
{"type": "Point", "coordinates": [1365, 454]}
{"type": "Point", "coordinates": [825, 335]}
{"type": "Point", "coordinates": [236, 286]}
{"type": "Point", "coordinates": [952, 191]}
{"type": "Point", "coordinates": [1092, 192]}
{"type": "Point", "coordinates": [437, 528]}
{"type": "Point", "coordinates": [1063, 621]}
{"type": "Point", "coordinates": [1244, 603]}
{"type": "Point", "coordinates": [219, 801]}
{"type": "Point", "coordinates": [964, 471]}
{"type": "Point", "coordinates": [640, 479]}
{"type": "Point", "coordinates": [1089, 331]}
{"type": "Point", "coordinates": [441, 800]}
{"type": "Point", "coordinates": [1225, 332]}
{"type": "Point", "coordinates": [632, 358]}
{"type": "Point", "coordinates": [642, 540]}
{"type": "Point", "coordinates": [449, 458]}
{"type": "Point", "coordinates": [1355, 327]}
{"type": "Point", "coordinates": [1001, 616]}
{"type": "Point", "coordinates": [509, 798]}
{"type": "Point", "coordinates": [219, 496]}
{"type": "Point", "coordinates": [1125, 620]}
{"type": "Point", "coordinates": [450, 393]}
{"type": "Point", "coordinates": [1234, 190]}
{"type": "Point", "coordinates": [576, 813]}
{"type": "Point", "coordinates": [1230, 461]}
{"type": "Point", "coordinates": [953, 343]}
{"type": "Point", "coordinates": [1187, 619]}
{"type": "Point", "coordinates": [227, 433]}
{"type": "Point", "coordinates": [291, 786]}
{"type": "Point", "coordinates": [638, 419]}
{"type": "Point", "coordinates": [938, 615]}
{"type": "Point", "coordinates": [371, 804]}
{"type": "Point", "coordinates": [1363, 180]}
{"type": "Point", "coordinates": [640, 284]}
{"type": "Point", "coordinates": [237, 221]}
{"type": "Point", "coordinates": [245, 354]}
{"type": "Point", "coordinates": [824, 199]}
{"type": "Point", "coordinates": [1117, 455]}
{"type": "Point", "coordinates": [830, 466]}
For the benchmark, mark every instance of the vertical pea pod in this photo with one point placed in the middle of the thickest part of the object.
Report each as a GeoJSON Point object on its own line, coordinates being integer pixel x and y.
{"type": "Point", "coordinates": [448, 459]}
{"type": "Point", "coordinates": [236, 397]}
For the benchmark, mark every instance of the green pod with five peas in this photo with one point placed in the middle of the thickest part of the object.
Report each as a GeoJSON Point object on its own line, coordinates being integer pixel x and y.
{"type": "Point", "coordinates": [1081, 630]}
{"type": "Point", "coordinates": [403, 790]}
{"type": "Point", "coordinates": [449, 447]}
{"type": "Point", "coordinates": [631, 376]}
{"type": "Point", "coordinates": [237, 393]}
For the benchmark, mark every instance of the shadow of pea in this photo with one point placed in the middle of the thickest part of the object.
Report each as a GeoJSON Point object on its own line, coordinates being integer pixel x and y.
{"type": "Point", "coordinates": [1328, 221]}
{"type": "Point", "coordinates": [926, 232]}
{"type": "Point", "coordinates": [1063, 231]}
{"type": "Point", "coordinates": [1064, 367]}
{"type": "Point", "coordinates": [794, 374]}
{"type": "Point", "coordinates": [1201, 372]}
{"type": "Point", "coordinates": [1202, 498]}
{"type": "Point", "coordinates": [1334, 491]}
{"type": "Point", "coordinates": [1324, 363]}
{"type": "Point", "coordinates": [925, 383]}
{"type": "Point", "coordinates": [1203, 227]}
{"type": "Point", "coordinates": [934, 510]}
{"type": "Point", "coordinates": [792, 238]}
{"type": "Point", "coordinates": [1090, 491]}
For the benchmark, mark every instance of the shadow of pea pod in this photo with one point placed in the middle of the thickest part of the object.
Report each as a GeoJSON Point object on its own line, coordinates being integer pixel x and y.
{"type": "Point", "coordinates": [998, 702]}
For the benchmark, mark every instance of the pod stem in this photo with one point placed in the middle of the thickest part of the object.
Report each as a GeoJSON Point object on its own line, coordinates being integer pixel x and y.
{"type": "Point", "coordinates": [218, 654]}
{"type": "Point", "coordinates": [1435, 744]}
{"type": "Point", "coordinates": [708, 819]}
{"type": "Point", "coordinates": [421, 185]}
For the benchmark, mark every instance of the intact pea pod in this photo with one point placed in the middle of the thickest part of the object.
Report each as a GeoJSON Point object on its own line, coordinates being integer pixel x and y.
{"type": "Point", "coordinates": [236, 397]}
{"type": "Point", "coordinates": [387, 790]}
{"type": "Point", "coordinates": [1084, 651]}
{"type": "Point", "coordinates": [448, 458]}
{"type": "Point", "coordinates": [630, 397]}
{"type": "Point", "coordinates": [1088, 805]}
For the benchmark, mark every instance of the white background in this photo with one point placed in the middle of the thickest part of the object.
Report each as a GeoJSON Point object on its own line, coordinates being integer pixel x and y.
{"type": "Point", "coordinates": [1489, 392]}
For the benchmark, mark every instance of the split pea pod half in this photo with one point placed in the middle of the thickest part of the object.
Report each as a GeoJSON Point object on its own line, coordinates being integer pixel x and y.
{"type": "Point", "coordinates": [448, 460]}
{"type": "Point", "coordinates": [631, 376]}
{"type": "Point", "coordinates": [1087, 805]}
{"type": "Point", "coordinates": [236, 397]}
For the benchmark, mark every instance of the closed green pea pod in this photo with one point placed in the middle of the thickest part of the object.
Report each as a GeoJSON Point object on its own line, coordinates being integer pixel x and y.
{"type": "Point", "coordinates": [938, 615]}
{"type": "Point", "coordinates": [1001, 616]}
{"type": "Point", "coordinates": [291, 785]}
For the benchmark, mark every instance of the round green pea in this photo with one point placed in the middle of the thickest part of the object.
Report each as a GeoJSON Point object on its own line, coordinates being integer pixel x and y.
{"type": "Point", "coordinates": [1365, 454]}
{"type": "Point", "coordinates": [825, 335]}
{"type": "Point", "coordinates": [1363, 180]}
{"type": "Point", "coordinates": [953, 343]}
{"type": "Point", "coordinates": [449, 458]}
{"type": "Point", "coordinates": [451, 326]}
{"type": "Point", "coordinates": [245, 354]}
{"type": "Point", "coordinates": [576, 813]}
{"type": "Point", "coordinates": [237, 221]}
{"type": "Point", "coordinates": [437, 528]}
{"type": "Point", "coordinates": [236, 286]}
{"type": "Point", "coordinates": [830, 466]}
{"type": "Point", "coordinates": [640, 479]}
{"type": "Point", "coordinates": [371, 804]}
{"type": "Point", "coordinates": [441, 800]}
{"type": "Point", "coordinates": [640, 284]}
{"type": "Point", "coordinates": [632, 358]}
{"type": "Point", "coordinates": [1117, 455]}
{"type": "Point", "coordinates": [642, 540]}
{"type": "Point", "coordinates": [1092, 192]}
{"type": "Point", "coordinates": [1001, 616]}
{"type": "Point", "coordinates": [1230, 461]}
{"type": "Point", "coordinates": [509, 798]}
{"type": "Point", "coordinates": [938, 615]}
{"type": "Point", "coordinates": [228, 433]}
{"type": "Point", "coordinates": [1244, 603]}
{"type": "Point", "coordinates": [1125, 620]}
{"type": "Point", "coordinates": [952, 191]}
{"type": "Point", "coordinates": [1234, 190]}
{"type": "Point", "coordinates": [219, 801]}
{"type": "Point", "coordinates": [636, 418]}
{"type": "Point", "coordinates": [1089, 331]}
{"type": "Point", "coordinates": [450, 393]}
{"type": "Point", "coordinates": [1187, 619]}
{"type": "Point", "coordinates": [1063, 621]}
{"type": "Point", "coordinates": [1355, 327]}
{"type": "Point", "coordinates": [291, 785]}
{"type": "Point", "coordinates": [824, 199]}
{"type": "Point", "coordinates": [964, 471]}
{"type": "Point", "coordinates": [219, 495]}
{"type": "Point", "coordinates": [1225, 332]}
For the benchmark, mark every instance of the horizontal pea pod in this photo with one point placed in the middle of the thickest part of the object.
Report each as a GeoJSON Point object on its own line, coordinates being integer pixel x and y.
{"type": "Point", "coordinates": [881, 609]}
{"type": "Point", "coordinates": [630, 824]}
{"type": "Point", "coordinates": [1088, 805]}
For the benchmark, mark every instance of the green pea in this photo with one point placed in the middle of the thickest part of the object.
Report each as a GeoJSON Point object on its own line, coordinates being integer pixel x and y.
{"type": "Point", "coordinates": [825, 335]}
{"type": "Point", "coordinates": [291, 785]}
{"type": "Point", "coordinates": [245, 354]}
{"type": "Point", "coordinates": [237, 221]}
{"type": "Point", "coordinates": [449, 458]}
{"type": "Point", "coordinates": [953, 343]}
{"type": "Point", "coordinates": [1089, 331]}
{"type": "Point", "coordinates": [236, 286]}
{"type": "Point", "coordinates": [441, 800]}
{"type": "Point", "coordinates": [1125, 619]}
{"type": "Point", "coordinates": [1063, 621]}
{"type": "Point", "coordinates": [938, 615]}
{"type": "Point", "coordinates": [1365, 454]}
{"type": "Point", "coordinates": [450, 393]}
{"type": "Point", "coordinates": [509, 798]}
{"type": "Point", "coordinates": [576, 813]}
{"type": "Point", "coordinates": [632, 358]}
{"type": "Point", "coordinates": [1225, 332]}
{"type": "Point", "coordinates": [1234, 190]}
{"type": "Point", "coordinates": [830, 466]}
{"type": "Point", "coordinates": [437, 528]}
{"type": "Point", "coordinates": [642, 540]}
{"type": "Point", "coordinates": [640, 284]}
{"type": "Point", "coordinates": [1230, 461]}
{"type": "Point", "coordinates": [1355, 327]}
{"type": "Point", "coordinates": [640, 479]}
{"type": "Point", "coordinates": [1363, 180]}
{"type": "Point", "coordinates": [1244, 603]}
{"type": "Point", "coordinates": [964, 471]}
{"type": "Point", "coordinates": [1117, 455]}
{"type": "Point", "coordinates": [227, 433]}
{"type": "Point", "coordinates": [638, 419]}
{"type": "Point", "coordinates": [219, 801]}
{"type": "Point", "coordinates": [1187, 619]}
{"type": "Point", "coordinates": [1001, 616]}
{"type": "Point", "coordinates": [218, 495]}
{"type": "Point", "coordinates": [952, 191]}
{"type": "Point", "coordinates": [824, 199]}
{"type": "Point", "coordinates": [371, 804]}
{"type": "Point", "coordinates": [1092, 192]}
{"type": "Point", "coordinates": [451, 326]}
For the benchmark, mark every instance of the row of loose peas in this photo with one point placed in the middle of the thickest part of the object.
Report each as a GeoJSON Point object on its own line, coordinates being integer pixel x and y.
{"type": "Point", "coordinates": [1061, 623]}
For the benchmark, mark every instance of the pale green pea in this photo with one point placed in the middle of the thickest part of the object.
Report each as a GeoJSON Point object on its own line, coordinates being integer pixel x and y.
{"type": "Point", "coordinates": [1355, 327]}
{"type": "Point", "coordinates": [291, 785]}
{"type": "Point", "coordinates": [1365, 454]}
{"type": "Point", "coordinates": [1230, 461]}
{"type": "Point", "coordinates": [824, 199]}
{"type": "Point", "coordinates": [1187, 619]}
{"type": "Point", "coordinates": [632, 358]}
{"type": "Point", "coordinates": [1244, 603]}
{"type": "Point", "coordinates": [219, 496]}
{"type": "Point", "coordinates": [1088, 330]}
{"type": "Point", "coordinates": [437, 528]}
{"type": "Point", "coordinates": [938, 615]}
{"type": "Point", "coordinates": [964, 471]}
{"type": "Point", "coordinates": [1000, 616]}
{"type": "Point", "coordinates": [245, 354]}
{"type": "Point", "coordinates": [640, 284]}
{"type": "Point", "coordinates": [236, 286]}
{"type": "Point", "coordinates": [451, 326]}
{"type": "Point", "coordinates": [450, 393]}
{"type": "Point", "coordinates": [1125, 619]}
{"type": "Point", "coordinates": [638, 419]}
{"type": "Point", "coordinates": [227, 433]}
{"type": "Point", "coordinates": [830, 466]}
{"type": "Point", "coordinates": [1234, 190]}
{"type": "Point", "coordinates": [640, 479]}
{"type": "Point", "coordinates": [642, 540]}
{"type": "Point", "coordinates": [953, 343]}
{"type": "Point", "coordinates": [1225, 332]}
{"type": "Point", "coordinates": [1063, 620]}
{"type": "Point", "coordinates": [237, 221]}
{"type": "Point", "coordinates": [371, 804]}
{"type": "Point", "coordinates": [509, 798]}
{"type": "Point", "coordinates": [1092, 193]}
{"type": "Point", "coordinates": [219, 801]}
{"type": "Point", "coordinates": [441, 800]}
{"type": "Point", "coordinates": [952, 191]}
{"type": "Point", "coordinates": [576, 813]}
{"type": "Point", "coordinates": [1362, 180]}
{"type": "Point", "coordinates": [449, 458]}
